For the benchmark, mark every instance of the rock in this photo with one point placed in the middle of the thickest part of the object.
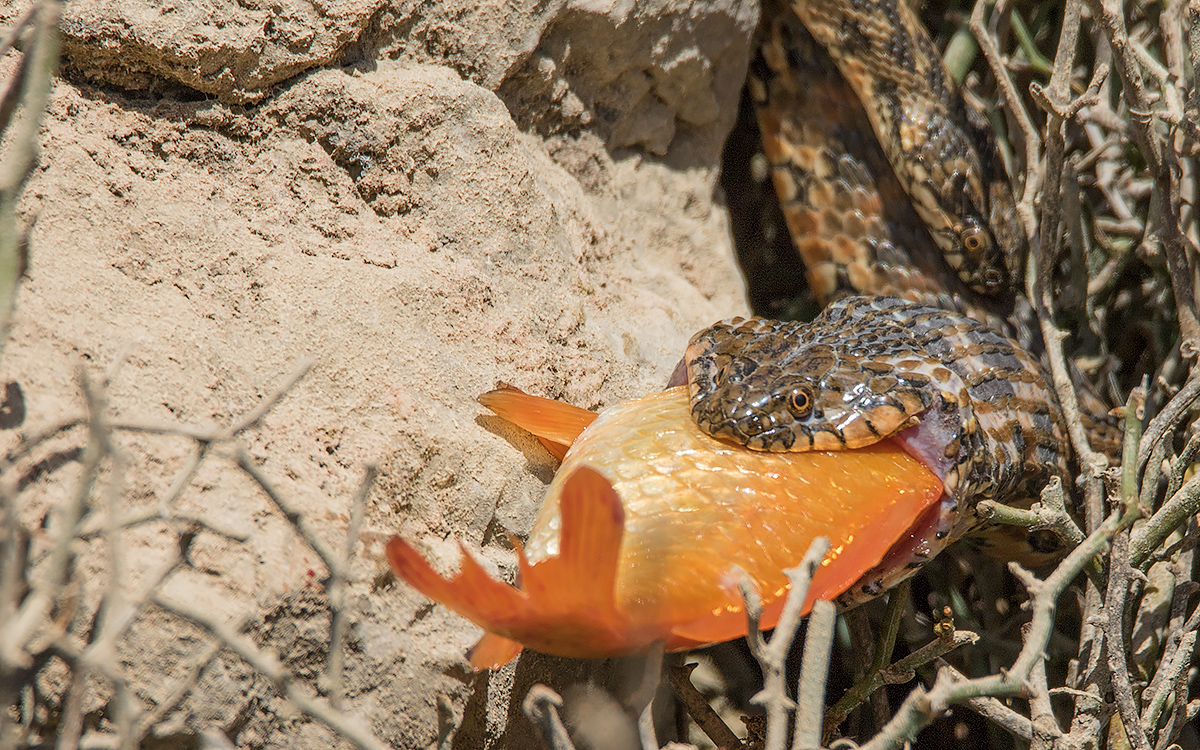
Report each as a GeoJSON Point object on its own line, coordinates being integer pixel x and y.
{"type": "Point", "coordinates": [392, 222]}
{"type": "Point", "coordinates": [232, 50]}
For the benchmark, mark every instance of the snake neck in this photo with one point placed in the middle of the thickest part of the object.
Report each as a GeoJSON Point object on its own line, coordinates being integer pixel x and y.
{"type": "Point", "coordinates": [944, 162]}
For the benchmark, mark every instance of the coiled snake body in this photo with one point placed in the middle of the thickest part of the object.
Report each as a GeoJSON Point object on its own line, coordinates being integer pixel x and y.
{"type": "Point", "coordinates": [888, 191]}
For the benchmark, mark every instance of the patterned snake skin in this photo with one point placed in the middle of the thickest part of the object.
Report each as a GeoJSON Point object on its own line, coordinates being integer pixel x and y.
{"type": "Point", "coordinates": [900, 196]}
{"type": "Point", "coordinates": [888, 191]}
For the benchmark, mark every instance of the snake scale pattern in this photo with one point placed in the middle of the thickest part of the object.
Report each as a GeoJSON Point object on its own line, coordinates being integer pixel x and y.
{"type": "Point", "coordinates": [907, 228]}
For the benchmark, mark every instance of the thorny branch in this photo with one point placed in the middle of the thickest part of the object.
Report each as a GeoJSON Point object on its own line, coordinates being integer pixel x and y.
{"type": "Point", "coordinates": [29, 87]}
{"type": "Point", "coordinates": [1162, 156]}
{"type": "Point", "coordinates": [541, 706]}
{"type": "Point", "coordinates": [29, 634]}
{"type": "Point", "coordinates": [772, 654]}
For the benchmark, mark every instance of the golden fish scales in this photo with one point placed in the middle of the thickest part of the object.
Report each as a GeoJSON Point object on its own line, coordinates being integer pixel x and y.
{"type": "Point", "coordinates": [695, 506]}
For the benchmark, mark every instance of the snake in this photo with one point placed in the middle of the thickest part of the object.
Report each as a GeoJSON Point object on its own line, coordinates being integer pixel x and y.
{"type": "Point", "coordinates": [896, 201]}
{"type": "Point", "coordinates": [966, 401]}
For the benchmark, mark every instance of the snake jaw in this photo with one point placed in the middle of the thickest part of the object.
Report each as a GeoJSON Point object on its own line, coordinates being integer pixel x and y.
{"type": "Point", "coordinates": [778, 387]}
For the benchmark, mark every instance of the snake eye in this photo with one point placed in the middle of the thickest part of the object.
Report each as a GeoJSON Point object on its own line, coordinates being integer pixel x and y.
{"type": "Point", "coordinates": [800, 401]}
{"type": "Point", "coordinates": [973, 238]}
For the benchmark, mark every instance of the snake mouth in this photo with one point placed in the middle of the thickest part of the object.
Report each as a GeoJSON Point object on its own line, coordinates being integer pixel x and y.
{"type": "Point", "coordinates": [936, 528]}
{"type": "Point", "coordinates": [930, 436]}
{"type": "Point", "coordinates": [928, 535]}
{"type": "Point", "coordinates": [931, 440]}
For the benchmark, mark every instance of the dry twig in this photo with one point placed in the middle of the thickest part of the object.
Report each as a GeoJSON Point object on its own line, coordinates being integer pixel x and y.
{"type": "Point", "coordinates": [26, 635]}
{"type": "Point", "coordinates": [772, 655]}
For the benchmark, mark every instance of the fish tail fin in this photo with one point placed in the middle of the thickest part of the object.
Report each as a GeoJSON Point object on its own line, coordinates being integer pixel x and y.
{"type": "Point", "coordinates": [555, 423]}
{"type": "Point", "coordinates": [472, 592]}
{"type": "Point", "coordinates": [492, 651]}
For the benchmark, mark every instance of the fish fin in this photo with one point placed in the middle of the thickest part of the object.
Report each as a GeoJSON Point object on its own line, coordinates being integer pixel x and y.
{"type": "Point", "coordinates": [679, 376]}
{"type": "Point", "coordinates": [593, 522]}
{"type": "Point", "coordinates": [492, 651]}
{"type": "Point", "coordinates": [558, 450]}
{"type": "Point", "coordinates": [584, 574]}
{"type": "Point", "coordinates": [551, 420]}
{"type": "Point", "coordinates": [566, 605]}
{"type": "Point", "coordinates": [471, 592]}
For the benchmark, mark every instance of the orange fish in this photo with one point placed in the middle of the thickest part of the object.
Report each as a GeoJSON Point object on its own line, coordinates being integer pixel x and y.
{"type": "Point", "coordinates": [648, 521]}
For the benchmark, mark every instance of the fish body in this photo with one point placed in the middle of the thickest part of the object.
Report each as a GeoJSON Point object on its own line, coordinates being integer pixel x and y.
{"type": "Point", "coordinates": [649, 522]}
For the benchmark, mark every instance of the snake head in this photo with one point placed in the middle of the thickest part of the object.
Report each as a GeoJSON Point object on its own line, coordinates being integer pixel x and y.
{"type": "Point", "coordinates": [968, 206]}
{"type": "Point", "coordinates": [990, 255]}
{"type": "Point", "coordinates": [782, 386]}
{"type": "Point", "coordinates": [980, 261]}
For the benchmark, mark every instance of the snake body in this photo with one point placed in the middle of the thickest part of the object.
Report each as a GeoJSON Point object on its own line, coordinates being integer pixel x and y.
{"type": "Point", "coordinates": [889, 191]}
{"type": "Point", "coordinates": [886, 185]}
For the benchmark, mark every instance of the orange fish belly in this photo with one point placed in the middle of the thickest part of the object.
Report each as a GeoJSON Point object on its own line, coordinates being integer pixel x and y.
{"type": "Point", "coordinates": [649, 522]}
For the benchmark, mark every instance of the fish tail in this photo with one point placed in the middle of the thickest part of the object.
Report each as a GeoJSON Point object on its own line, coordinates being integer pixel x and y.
{"type": "Point", "coordinates": [556, 424]}
{"type": "Point", "coordinates": [472, 592]}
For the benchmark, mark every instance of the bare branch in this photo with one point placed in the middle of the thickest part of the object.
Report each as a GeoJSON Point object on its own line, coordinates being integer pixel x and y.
{"type": "Point", "coordinates": [900, 672]}
{"type": "Point", "coordinates": [541, 705]}
{"type": "Point", "coordinates": [37, 66]}
{"type": "Point", "coordinates": [772, 655]}
{"type": "Point", "coordinates": [1033, 139]}
{"type": "Point", "coordinates": [1174, 513]}
{"type": "Point", "coordinates": [284, 681]}
{"type": "Point", "coordinates": [294, 517]}
{"type": "Point", "coordinates": [337, 589]}
{"type": "Point", "coordinates": [814, 671]}
{"type": "Point", "coordinates": [993, 710]}
{"type": "Point", "coordinates": [1118, 587]}
{"type": "Point", "coordinates": [264, 407]}
{"type": "Point", "coordinates": [709, 721]}
{"type": "Point", "coordinates": [48, 586]}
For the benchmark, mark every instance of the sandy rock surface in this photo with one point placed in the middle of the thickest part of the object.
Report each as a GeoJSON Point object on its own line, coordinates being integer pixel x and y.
{"type": "Point", "coordinates": [421, 198]}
